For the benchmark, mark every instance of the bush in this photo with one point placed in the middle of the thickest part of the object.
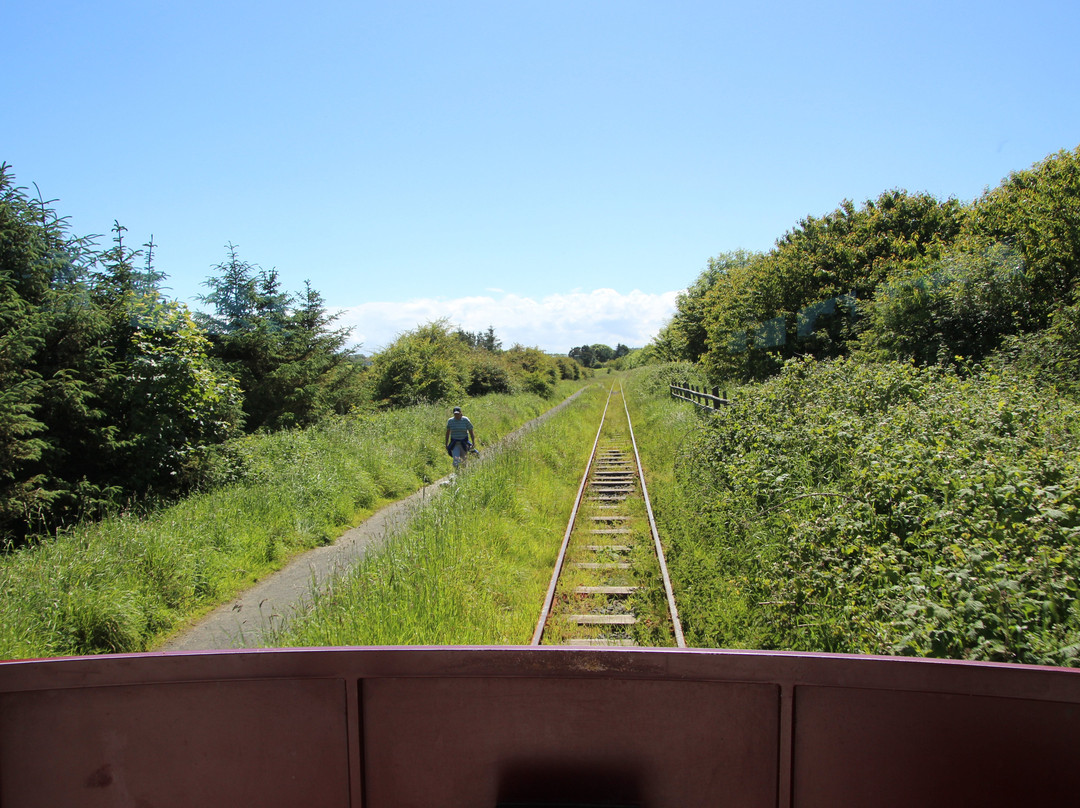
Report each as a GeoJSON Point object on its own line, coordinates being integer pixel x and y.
{"type": "Point", "coordinates": [962, 305]}
{"type": "Point", "coordinates": [1050, 358]}
{"type": "Point", "coordinates": [488, 375]}
{"type": "Point", "coordinates": [538, 383]}
{"type": "Point", "coordinates": [568, 368]}
{"type": "Point", "coordinates": [1037, 212]}
{"type": "Point", "coordinates": [421, 366]}
{"type": "Point", "coordinates": [885, 508]}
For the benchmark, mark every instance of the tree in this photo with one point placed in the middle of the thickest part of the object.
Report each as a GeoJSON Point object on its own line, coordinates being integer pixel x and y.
{"type": "Point", "coordinates": [1037, 213]}
{"type": "Point", "coordinates": [158, 402]}
{"type": "Point", "coordinates": [489, 342]}
{"type": "Point", "coordinates": [180, 406]}
{"type": "Point", "coordinates": [584, 354]}
{"type": "Point", "coordinates": [420, 366]}
{"type": "Point", "coordinates": [107, 391]}
{"type": "Point", "coordinates": [594, 355]}
{"type": "Point", "coordinates": [25, 279]}
{"type": "Point", "coordinates": [964, 304]}
{"type": "Point", "coordinates": [485, 340]}
{"type": "Point", "coordinates": [798, 299]}
{"type": "Point", "coordinates": [291, 364]}
{"type": "Point", "coordinates": [685, 337]}
{"type": "Point", "coordinates": [315, 376]}
{"type": "Point", "coordinates": [851, 251]}
{"type": "Point", "coordinates": [233, 294]}
{"type": "Point", "coordinates": [602, 353]}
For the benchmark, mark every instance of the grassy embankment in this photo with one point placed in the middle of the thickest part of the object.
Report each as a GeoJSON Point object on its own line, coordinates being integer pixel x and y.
{"type": "Point", "coordinates": [121, 584]}
{"type": "Point", "coordinates": [872, 508]}
{"type": "Point", "coordinates": [474, 568]}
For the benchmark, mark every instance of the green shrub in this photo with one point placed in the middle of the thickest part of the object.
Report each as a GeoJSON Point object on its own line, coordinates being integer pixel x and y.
{"type": "Point", "coordinates": [488, 375]}
{"type": "Point", "coordinates": [1037, 213]}
{"type": "Point", "coordinates": [882, 508]}
{"type": "Point", "coordinates": [1050, 357]}
{"type": "Point", "coordinates": [962, 305]}
{"type": "Point", "coordinates": [538, 383]}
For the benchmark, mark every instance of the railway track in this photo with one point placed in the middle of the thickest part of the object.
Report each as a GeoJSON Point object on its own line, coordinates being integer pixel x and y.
{"type": "Point", "coordinates": [610, 585]}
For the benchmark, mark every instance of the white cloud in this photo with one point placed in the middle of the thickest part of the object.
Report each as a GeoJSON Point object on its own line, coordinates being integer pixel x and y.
{"type": "Point", "coordinates": [555, 323]}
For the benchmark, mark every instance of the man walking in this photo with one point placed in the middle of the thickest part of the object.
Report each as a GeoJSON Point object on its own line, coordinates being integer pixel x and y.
{"type": "Point", "coordinates": [459, 437]}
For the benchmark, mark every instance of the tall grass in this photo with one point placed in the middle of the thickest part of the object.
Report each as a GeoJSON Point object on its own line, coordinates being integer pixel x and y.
{"type": "Point", "coordinates": [473, 567]}
{"type": "Point", "coordinates": [120, 584]}
{"type": "Point", "coordinates": [665, 430]}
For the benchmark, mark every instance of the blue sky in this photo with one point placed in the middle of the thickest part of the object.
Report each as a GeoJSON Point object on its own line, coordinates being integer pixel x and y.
{"type": "Point", "coordinates": [558, 170]}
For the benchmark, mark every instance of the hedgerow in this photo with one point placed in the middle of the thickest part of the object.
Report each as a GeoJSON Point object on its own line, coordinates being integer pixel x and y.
{"type": "Point", "coordinates": [883, 508]}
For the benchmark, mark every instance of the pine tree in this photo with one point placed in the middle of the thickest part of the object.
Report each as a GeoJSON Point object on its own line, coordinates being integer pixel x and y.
{"type": "Point", "coordinates": [106, 390]}
{"type": "Point", "coordinates": [292, 365]}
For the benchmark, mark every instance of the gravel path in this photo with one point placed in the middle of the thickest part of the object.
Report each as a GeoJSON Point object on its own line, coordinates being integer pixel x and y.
{"type": "Point", "coordinates": [244, 621]}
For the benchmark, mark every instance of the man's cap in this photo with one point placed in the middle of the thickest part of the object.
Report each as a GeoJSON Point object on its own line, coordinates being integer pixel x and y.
{"type": "Point", "coordinates": [457, 409]}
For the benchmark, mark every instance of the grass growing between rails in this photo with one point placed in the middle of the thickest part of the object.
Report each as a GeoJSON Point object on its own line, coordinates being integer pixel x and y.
{"type": "Point", "coordinates": [473, 566]}
{"type": "Point", "coordinates": [880, 508]}
{"type": "Point", "coordinates": [120, 584]}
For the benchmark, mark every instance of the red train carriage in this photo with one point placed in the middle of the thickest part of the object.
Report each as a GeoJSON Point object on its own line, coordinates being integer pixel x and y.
{"type": "Point", "coordinates": [379, 727]}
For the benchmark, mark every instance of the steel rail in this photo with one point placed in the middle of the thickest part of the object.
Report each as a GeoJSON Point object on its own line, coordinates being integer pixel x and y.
{"type": "Point", "coordinates": [560, 562]}
{"type": "Point", "coordinates": [538, 633]}
{"type": "Point", "coordinates": [680, 641]}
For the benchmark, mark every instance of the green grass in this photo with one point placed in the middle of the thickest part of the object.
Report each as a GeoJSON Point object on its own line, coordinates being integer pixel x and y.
{"type": "Point", "coordinates": [124, 583]}
{"type": "Point", "coordinates": [665, 430]}
{"type": "Point", "coordinates": [473, 567]}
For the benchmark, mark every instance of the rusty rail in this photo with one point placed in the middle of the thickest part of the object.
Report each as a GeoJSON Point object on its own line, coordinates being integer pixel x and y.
{"type": "Point", "coordinates": [668, 592]}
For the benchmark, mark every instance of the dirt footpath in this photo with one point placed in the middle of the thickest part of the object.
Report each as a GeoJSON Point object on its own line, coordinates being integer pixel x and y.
{"type": "Point", "coordinates": [244, 621]}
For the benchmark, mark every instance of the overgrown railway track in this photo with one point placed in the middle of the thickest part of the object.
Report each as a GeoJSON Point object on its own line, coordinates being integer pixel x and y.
{"type": "Point", "coordinates": [610, 585]}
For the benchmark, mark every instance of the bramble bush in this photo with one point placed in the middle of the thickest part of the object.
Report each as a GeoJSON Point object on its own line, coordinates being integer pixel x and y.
{"type": "Point", "coordinates": [884, 508]}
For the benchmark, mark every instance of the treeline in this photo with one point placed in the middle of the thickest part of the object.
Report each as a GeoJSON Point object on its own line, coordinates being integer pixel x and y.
{"type": "Point", "coordinates": [437, 362]}
{"type": "Point", "coordinates": [598, 354]}
{"type": "Point", "coordinates": [111, 393]}
{"type": "Point", "coordinates": [905, 276]}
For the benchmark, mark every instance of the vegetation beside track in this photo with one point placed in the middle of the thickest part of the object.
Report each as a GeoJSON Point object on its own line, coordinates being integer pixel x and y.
{"type": "Point", "coordinates": [903, 477]}
{"type": "Point", "coordinates": [473, 568]}
{"type": "Point", "coordinates": [870, 507]}
{"type": "Point", "coordinates": [117, 585]}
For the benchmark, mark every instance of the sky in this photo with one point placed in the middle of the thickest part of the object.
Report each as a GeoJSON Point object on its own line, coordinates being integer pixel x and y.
{"type": "Point", "coordinates": [556, 170]}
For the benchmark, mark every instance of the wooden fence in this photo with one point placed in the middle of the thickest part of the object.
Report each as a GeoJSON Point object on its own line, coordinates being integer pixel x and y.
{"type": "Point", "coordinates": [703, 398]}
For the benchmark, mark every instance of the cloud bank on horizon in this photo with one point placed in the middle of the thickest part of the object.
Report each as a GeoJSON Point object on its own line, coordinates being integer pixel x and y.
{"type": "Point", "coordinates": [555, 323]}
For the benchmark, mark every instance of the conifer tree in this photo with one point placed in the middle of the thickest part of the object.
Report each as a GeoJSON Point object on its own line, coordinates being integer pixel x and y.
{"type": "Point", "coordinates": [106, 390]}
{"type": "Point", "coordinates": [291, 364]}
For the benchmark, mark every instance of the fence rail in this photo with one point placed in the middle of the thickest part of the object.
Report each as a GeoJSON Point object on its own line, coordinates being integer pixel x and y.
{"type": "Point", "coordinates": [703, 398]}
